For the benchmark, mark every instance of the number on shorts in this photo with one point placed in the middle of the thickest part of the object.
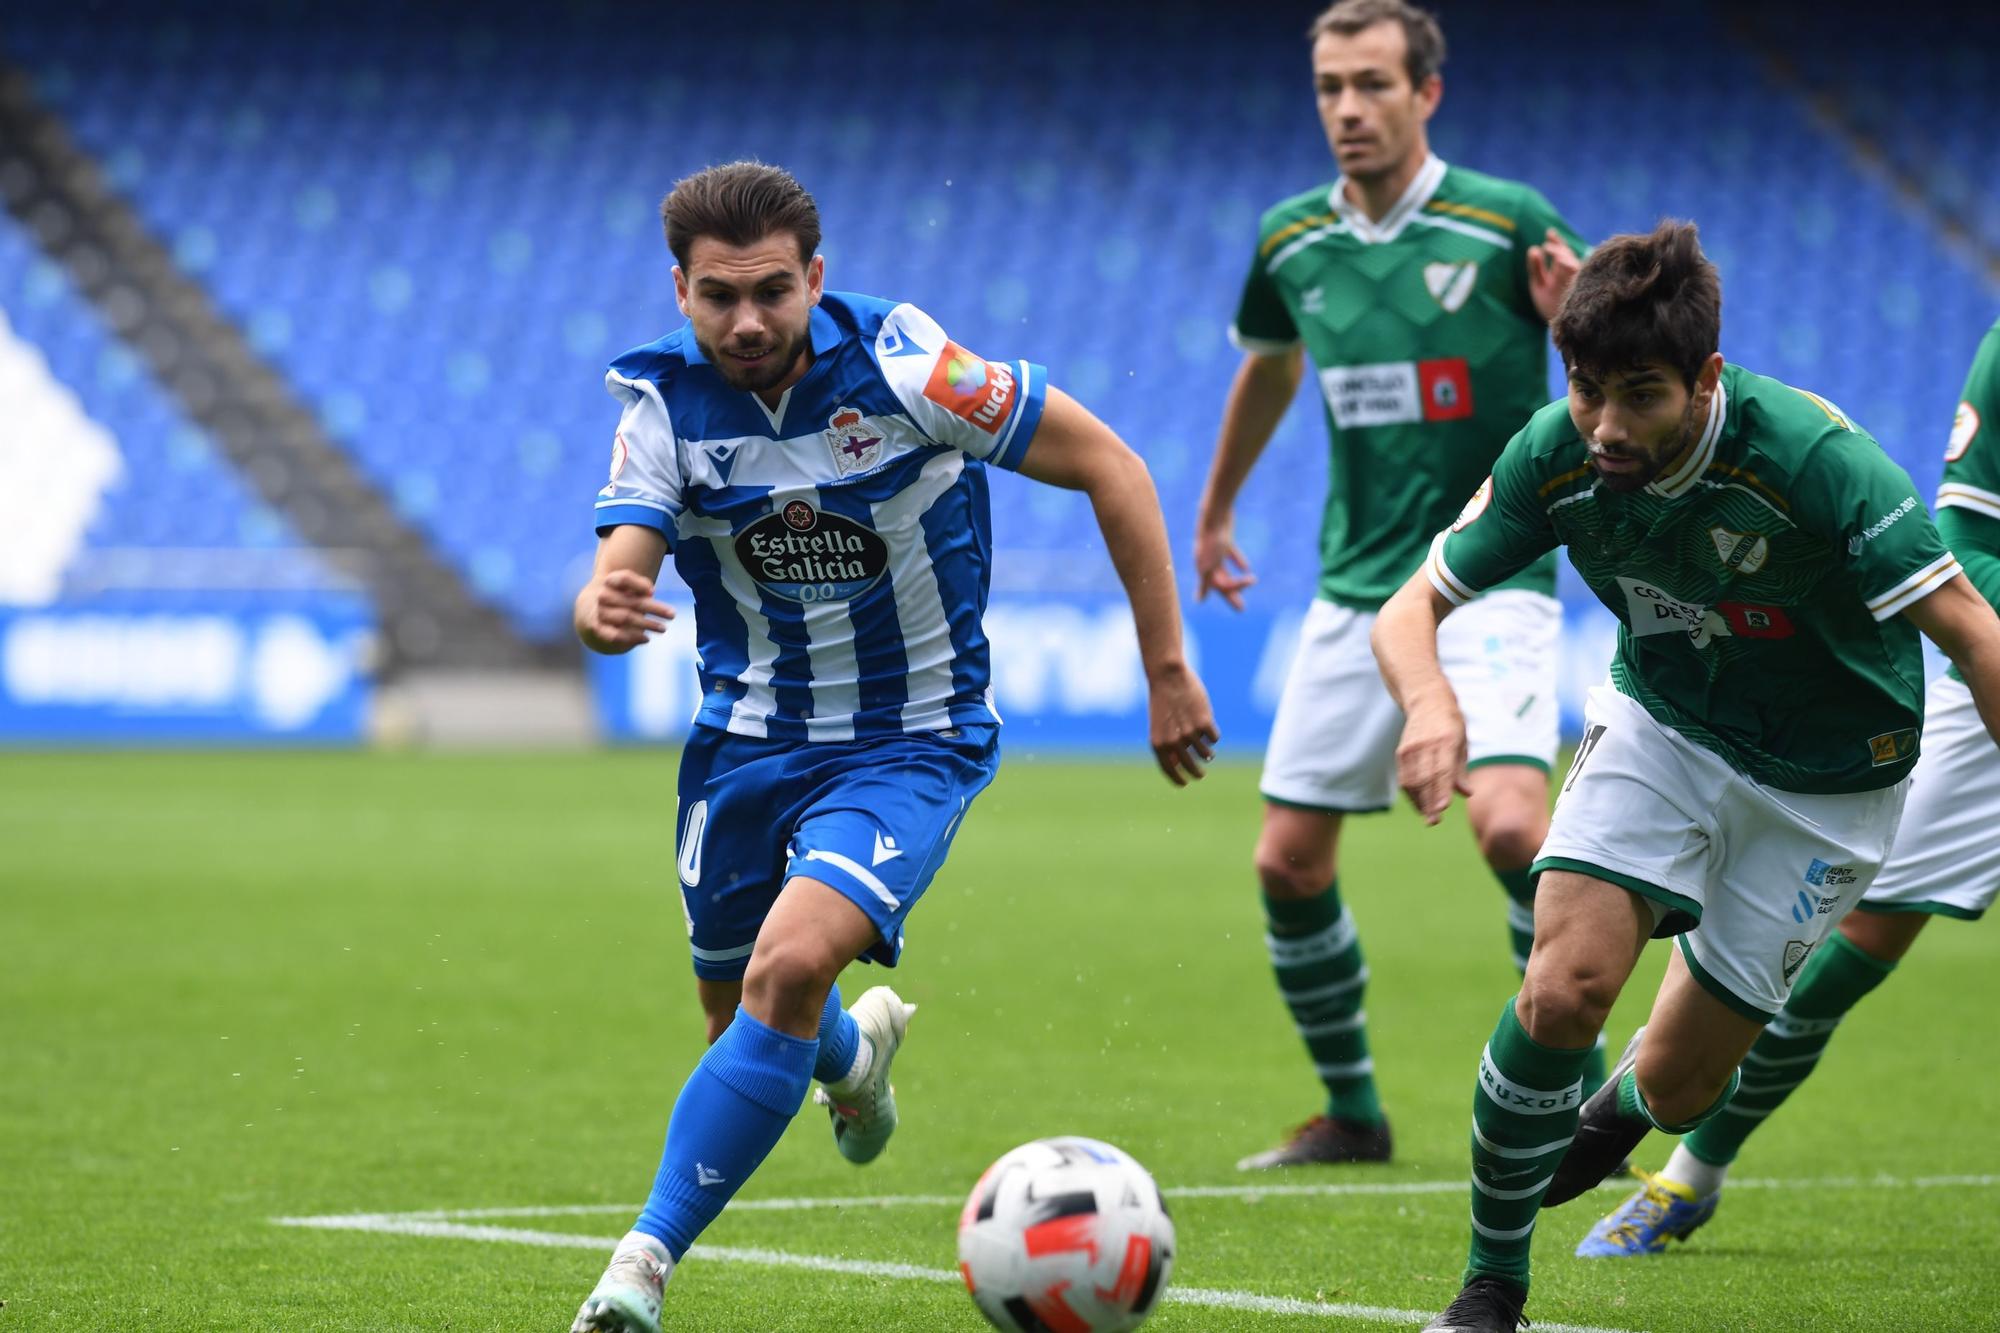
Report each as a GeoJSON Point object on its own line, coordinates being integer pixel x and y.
{"type": "Point", "coordinates": [1591, 736]}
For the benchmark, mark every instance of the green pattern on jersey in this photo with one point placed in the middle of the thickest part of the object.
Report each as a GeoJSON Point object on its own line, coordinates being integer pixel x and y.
{"type": "Point", "coordinates": [1968, 498]}
{"type": "Point", "coordinates": [1428, 350]}
{"type": "Point", "coordinates": [1756, 588]}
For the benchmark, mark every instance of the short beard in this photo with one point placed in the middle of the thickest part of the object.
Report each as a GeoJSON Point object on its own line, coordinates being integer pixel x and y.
{"type": "Point", "coordinates": [759, 378]}
{"type": "Point", "coordinates": [1656, 463]}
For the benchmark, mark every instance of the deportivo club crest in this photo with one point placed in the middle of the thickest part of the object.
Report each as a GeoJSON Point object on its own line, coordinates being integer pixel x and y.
{"type": "Point", "coordinates": [856, 447]}
{"type": "Point", "coordinates": [1451, 284]}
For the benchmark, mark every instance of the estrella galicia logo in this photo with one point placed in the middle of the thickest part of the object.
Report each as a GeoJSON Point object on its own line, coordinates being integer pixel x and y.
{"type": "Point", "coordinates": [804, 554]}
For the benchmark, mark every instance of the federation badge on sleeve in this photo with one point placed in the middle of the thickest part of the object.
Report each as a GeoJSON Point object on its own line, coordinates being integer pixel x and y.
{"type": "Point", "coordinates": [619, 453]}
{"type": "Point", "coordinates": [856, 446]}
{"type": "Point", "coordinates": [1474, 507]}
{"type": "Point", "coordinates": [1963, 427]}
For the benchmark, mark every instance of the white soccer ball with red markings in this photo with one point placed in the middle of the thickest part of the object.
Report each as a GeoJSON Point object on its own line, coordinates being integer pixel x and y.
{"type": "Point", "coordinates": [1066, 1235]}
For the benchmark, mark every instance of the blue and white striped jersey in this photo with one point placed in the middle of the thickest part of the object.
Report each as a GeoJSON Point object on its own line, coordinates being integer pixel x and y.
{"type": "Point", "coordinates": [838, 545]}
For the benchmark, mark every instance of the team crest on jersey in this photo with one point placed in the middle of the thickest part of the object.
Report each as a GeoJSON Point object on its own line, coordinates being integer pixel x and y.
{"type": "Point", "coordinates": [1744, 552]}
{"type": "Point", "coordinates": [856, 444]}
{"type": "Point", "coordinates": [1451, 284]}
{"type": "Point", "coordinates": [1964, 426]}
{"type": "Point", "coordinates": [967, 386]}
{"type": "Point", "coordinates": [804, 554]}
{"type": "Point", "coordinates": [1475, 506]}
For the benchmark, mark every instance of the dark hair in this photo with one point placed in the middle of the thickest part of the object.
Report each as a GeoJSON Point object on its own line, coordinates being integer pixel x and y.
{"type": "Point", "coordinates": [1423, 40]}
{"type": "Point", "coordinates": [1640, 299]}
{"type": "Point", "coordinates": [739, 203]}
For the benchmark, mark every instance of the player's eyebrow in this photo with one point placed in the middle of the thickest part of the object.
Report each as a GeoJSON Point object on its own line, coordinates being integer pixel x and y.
{"type": "Point", "coordinates": [774, 278]}
{"type": "Point", "coordinates": [1639, 379]}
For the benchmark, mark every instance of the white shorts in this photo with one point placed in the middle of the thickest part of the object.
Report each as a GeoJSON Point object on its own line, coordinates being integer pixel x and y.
{"type": "Point", "coordinates": [1333, 742]}
{"type": "Point", "coordinates": [1754, 876]}
{"type": "Point", "coordinates": [1946, 858]}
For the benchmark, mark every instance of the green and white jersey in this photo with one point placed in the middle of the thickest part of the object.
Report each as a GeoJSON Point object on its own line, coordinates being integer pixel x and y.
{"type": "Point", "coordinates": [1756, 588]}
{"type": "Point", "coordinates": [1968, 499]}
{"type": "Point", "coordinates": [1428, 350]}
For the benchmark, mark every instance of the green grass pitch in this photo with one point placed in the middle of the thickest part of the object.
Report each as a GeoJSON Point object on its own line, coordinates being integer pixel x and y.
{"type": "Point", "coordinates": [237, 987]}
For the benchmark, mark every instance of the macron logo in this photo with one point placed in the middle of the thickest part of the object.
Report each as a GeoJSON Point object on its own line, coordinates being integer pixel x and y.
{"type": "Point", "coordinates": [705, 1177]}
{"type": "Point", "coordinates": [885, 849]}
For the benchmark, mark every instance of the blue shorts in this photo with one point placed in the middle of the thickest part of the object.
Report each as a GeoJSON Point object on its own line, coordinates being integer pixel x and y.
{"type": "Point", "coordinates": [873, 819]}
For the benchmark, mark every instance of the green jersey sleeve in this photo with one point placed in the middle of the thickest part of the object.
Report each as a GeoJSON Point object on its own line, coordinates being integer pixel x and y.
{"type": "Point", "coordinates": [1853, 496]}
{"type": "Point", "coordinates": [1537, 215]}
{"type": "Point", "coordinates": [1262, 323]}
{"type": "Point", "coordinates": [1502, 530]}
{"type": "Point", "coordinates": [1969, 496]}
{"type": "Point", "coordinates": [1972, 458]}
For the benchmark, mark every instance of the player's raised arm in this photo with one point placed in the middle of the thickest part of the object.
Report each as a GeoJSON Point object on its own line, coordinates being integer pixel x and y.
{"type": "Point", "coordinates": [1074, 450]}
{"type": "Point", "coordinates": [616, 611]}
{"type": "Point", "coordinates": [1963, 626]}
{"type": "Point", "coordinates": [1263, 388]}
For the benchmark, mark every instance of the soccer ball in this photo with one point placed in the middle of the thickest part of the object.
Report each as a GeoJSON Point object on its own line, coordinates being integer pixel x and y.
{"type": "Point", "coordinates": [1066, 1235]}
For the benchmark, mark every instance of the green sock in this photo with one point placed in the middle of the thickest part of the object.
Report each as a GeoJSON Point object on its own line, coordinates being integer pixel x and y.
{"type": "Point", "coordinates": [1317, 956]}
{"type": "Point", "coordinates": [1632, 1104]}
{"type": "Point", "coordinates": [1833, 982]}
{"type": "Point", "coordinates": [1524, 1115]}
{"type": "Point", "coordinates": [1520, 886]}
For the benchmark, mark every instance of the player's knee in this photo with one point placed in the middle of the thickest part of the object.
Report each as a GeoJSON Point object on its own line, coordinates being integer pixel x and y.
{"type": "Point", "coordinates": [1513, 838]}
{"type": "Point", "coordinates": [1565, 1006]}
{"type": "Point", "coordinates": [1289, 874]}
{"type": "Point", "coordinates": [789, 977]}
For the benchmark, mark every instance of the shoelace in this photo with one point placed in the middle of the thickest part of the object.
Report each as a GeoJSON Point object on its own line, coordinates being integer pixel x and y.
{"type": "Point", "coordinates": [1650, 1209]}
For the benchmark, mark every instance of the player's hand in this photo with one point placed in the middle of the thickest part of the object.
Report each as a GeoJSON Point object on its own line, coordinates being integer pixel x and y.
{"type": "Point", "coordinates": [1430, 761]}
{"type": "Point", "coordinates": [1181, 724]}
{"type": "Point", "coordinates": [1214, 554]}
{"type": "Point", "coordinates": [616, 612]}
{"type": "Point", "coordinates": [1552, 267]}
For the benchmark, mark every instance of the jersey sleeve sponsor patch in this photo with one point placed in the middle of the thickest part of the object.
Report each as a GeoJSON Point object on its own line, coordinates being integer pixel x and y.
{"type": "Point", "coordinates": [977, 390]}
{"type": "Point", "coordinates": [1475, 506]}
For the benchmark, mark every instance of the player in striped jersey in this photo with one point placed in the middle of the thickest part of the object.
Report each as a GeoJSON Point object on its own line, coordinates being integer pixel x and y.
{"type": "Point", "coordinates": [1945, 862]}
{"type": "Point", "coordinates": [817, 464]}
{"type": "Point", "coordinates": [1771, 570]}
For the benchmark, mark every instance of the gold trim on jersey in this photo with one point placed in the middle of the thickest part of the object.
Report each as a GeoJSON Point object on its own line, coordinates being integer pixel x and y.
{"type": "Point", "coordinates": [1752, 480]}
{"type": "Point", "coordinates": [1565, 479]}
{"type": "Point", "coordinates": [1468, 211]}
{"type": "Point", "coordinates": [1291, 229]}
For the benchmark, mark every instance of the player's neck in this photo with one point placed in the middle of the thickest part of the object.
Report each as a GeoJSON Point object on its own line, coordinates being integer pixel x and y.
{"type": "Point", "coordinates": [773, 395]}
{"type": "Point", "coordinates": [1376, 195]}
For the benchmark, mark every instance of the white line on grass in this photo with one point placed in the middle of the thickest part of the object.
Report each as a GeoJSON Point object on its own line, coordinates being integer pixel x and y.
{"type": "Point", "coordinates": [405, 1224]}
{"type": "Point", "coordinates": [1345, 1188]}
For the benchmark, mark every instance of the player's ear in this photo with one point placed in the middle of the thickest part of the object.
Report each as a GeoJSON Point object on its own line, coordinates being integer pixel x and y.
{"type": "Point", "coordinates": [1709, 376]}
{"type": "Point", "coordinates": [1429, 93]}
{"type": "Point", "coordinates": [681, 290]}
{"type": "Point", "coordinates": [815, 278]}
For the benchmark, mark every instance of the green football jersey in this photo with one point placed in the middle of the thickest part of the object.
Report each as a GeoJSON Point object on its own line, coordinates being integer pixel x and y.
{"type": "Point", "coordinates": [1968, 499]}
{"type": "Point", "coordinates": [1756, 587]}
{"type": "Point", "coordinates": [1428, 352]}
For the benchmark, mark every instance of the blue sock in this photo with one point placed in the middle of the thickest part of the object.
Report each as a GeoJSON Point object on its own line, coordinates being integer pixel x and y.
{"type": "Point", "coordinates": [730, 1114]}
{"type": "Point", "coordinates": [838, 1036]}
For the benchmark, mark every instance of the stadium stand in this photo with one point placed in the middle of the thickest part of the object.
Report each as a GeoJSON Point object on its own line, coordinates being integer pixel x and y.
{"type": "Point", "coordinates": [439, 224]}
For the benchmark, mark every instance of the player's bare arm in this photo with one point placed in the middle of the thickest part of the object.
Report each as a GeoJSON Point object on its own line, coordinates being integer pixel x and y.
{"type": "Point", "coordinates": [616, 610]}
{"type": "Point", "coordinates": [1430, 759]}
{"type": "Point", "coordinates": [1076, 451]}
{"type": "Point", "coordinates": [1965, 629]}
{"type": "Point", "coordinates": [1263, 389]}
{"type": "Point", "coordinates": [1552, 267]}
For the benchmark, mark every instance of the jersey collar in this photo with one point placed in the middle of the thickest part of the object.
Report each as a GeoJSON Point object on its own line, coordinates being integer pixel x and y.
{"type": "Point", "coordinates": [1369, 232]}
{"type": "Point", "coordinates": [1703, 453]}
